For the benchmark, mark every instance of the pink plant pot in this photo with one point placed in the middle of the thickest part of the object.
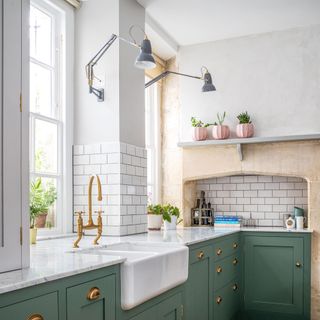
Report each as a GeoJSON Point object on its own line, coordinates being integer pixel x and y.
{"type": "Point", "coordinates": [245, 130]}
{"type": "Point", "coordinates": [220, 132]}
{"type": "Point", "coordinates": [200, 134]}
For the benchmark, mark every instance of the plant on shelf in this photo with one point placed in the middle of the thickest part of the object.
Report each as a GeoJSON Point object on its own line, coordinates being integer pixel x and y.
{"type": "Point", "coordinates": [219, 130]}
{"type": "Point", "coordinates": [170, 216]}
{"type": "Point", "coordinates": [154, 216]}
{"type": "Point", "coordinates": [41, 199]}
{"type": "Point", "coordinates": [245, 128]}
{"type": "Point", "coordinates": [200, 129]}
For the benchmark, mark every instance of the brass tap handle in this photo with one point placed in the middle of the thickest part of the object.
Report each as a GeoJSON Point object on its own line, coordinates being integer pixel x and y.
{"type": "Point", "coordinates": [235, 261]}
{"type": "Point", "coordinates": [36, 317]}
{"type": "Point", "coordinates": [79, 229]}
{"type": "Point", "coordinates": [79, 213]}
{"type": "Point", "coordinates": [219, 269]}
{"type": "Point", "coordinates": [219, 300]}
{"type": "Point", "coordinates": [93, 294]}
{"type": "Point", "coordinates": [200, 255]}
{"type": "Point", "coordinates": [99, 212]}
{"type": "Point", "coordinates": [99, 223]}
{"type": "Point", "coordinates": [298, 264]}
{"type": "Point", "coordinates": [219, 252]}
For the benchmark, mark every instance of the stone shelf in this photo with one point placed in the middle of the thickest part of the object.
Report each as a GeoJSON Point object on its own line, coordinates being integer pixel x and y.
{"type": "Point", "coordinates": [239, 142]}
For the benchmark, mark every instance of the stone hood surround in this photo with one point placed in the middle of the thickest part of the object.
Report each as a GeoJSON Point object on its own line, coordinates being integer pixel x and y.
{"type": "Point", "coordinates": [297, 159]}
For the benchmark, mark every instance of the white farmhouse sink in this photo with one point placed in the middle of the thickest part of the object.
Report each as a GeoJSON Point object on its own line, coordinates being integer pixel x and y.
{"type": "Point", "coordinates": [149, 270]}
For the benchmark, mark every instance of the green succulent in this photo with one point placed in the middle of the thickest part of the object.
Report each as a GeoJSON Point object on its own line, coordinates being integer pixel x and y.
{"type": "Point", "coordinates": [198, 123]}
{"type": "Point", "coordinates": [155, 209]}
{"type": "Point", "coordinates": [244, 117]}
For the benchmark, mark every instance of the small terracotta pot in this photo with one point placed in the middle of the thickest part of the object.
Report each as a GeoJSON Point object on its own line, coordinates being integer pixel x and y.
{"type": "Point", "coordinates": [154, 221]}
{"type": "Point", "coordinates": [220, 132]}
{"type": "Point", "coordinates": [41, 220]}
{"type": "Point", "coordinates": [245, 130]}
{"type": "Point", "coordinates": [33, 235]}
{"type": "Point", "coordinates": [200, 134]}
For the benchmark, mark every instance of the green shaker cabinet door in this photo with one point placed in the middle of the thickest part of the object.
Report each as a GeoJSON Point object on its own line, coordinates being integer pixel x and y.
{"type": "Point", "coordinates": [198, 286]}
{"type": "Point", "coordinates": [93, 300]}
{"type": "Point", "coordinates": [45, 306]}
{"type": "Point", "coordinates": [171, 308]}
{"type": "Point", "coordinates": [274, 274]}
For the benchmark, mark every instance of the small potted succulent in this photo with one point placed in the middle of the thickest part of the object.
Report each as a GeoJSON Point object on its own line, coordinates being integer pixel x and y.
{"type": "Point", "coordinates": [154, 216]}
{"type": "Point", "coordinates": [219, 130]}
{"type": "Point", "coordinates": [245, 128]}
{"type": "Point", "coordinates": [200, 131]}
{"type": "Point", "coordinates": [170, 216]}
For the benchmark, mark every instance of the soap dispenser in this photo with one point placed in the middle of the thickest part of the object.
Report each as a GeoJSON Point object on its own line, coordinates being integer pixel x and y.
{"type": "Point", "coordinates": [290, 223]}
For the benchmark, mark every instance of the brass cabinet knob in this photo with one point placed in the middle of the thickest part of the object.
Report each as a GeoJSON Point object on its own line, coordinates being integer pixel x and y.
{"type": "Point", "coordinates": [235, 287]}
{"type": "Point", "coordinates": [298, 264]}
{"type": "Point", "coordinates": [219, 300]}
{"type": "Point", "coordinates": [235, 261]}
{"type": "Point", "coordinates": [200, 255]}
{"type": "Point", "coordinates": [235, 245]}
{"type": "Point", "coordinates": [93, 294]}
{"type": "Point", "coordinates": [219, 269]}
{"type": "Point", "coordinates": [219, 252]}
{"type": "Point", "coordinates": [36, 317]}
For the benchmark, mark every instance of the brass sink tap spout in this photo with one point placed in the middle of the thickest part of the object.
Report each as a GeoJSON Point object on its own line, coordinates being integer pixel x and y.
{"type": "Point", "coordinates": [90, 225]}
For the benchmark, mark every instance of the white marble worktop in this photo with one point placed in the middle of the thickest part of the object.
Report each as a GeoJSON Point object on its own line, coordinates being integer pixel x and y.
{"type": "Point", "coordinates": [54, 258]}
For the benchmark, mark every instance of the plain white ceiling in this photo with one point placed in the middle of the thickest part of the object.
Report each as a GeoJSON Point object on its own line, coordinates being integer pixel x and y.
{"type": "Point", "coordinates": [189, 22]}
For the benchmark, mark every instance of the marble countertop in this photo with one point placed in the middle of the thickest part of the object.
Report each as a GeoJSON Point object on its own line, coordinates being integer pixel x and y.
{"type": "Point", "coordinates": [53, 259]}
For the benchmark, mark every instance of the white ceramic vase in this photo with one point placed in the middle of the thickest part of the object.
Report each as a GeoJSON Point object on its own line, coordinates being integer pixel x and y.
{"type": "Point", "coordinates": [170, 225]}
{"type": "Point", "coordinates": [154, 221]}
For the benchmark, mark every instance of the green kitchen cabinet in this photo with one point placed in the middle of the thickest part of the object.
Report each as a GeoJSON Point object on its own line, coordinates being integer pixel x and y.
{"type": "Point", "coordinates": [199, 286]}
{"type": "Point", "coordinates": [171, 308]}
{"type": "Point", "coordinates": [277, 276]}
{"type": "Point", "coordinates": [92, 300]}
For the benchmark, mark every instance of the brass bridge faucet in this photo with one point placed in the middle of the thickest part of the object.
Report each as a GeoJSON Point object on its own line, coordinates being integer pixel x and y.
{"type": "Point", "coordinates": [90, 225]}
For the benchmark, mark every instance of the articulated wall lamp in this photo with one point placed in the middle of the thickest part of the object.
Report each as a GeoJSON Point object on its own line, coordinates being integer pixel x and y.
{"type": "Point", "coordinates": [144, 60]}
{"type": "Point", "coordinates": [205, 76]}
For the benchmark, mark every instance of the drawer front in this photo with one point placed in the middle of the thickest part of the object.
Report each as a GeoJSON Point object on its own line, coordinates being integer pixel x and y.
{"type": "Point", "coordinates": [41, 308]}
{"type": "Point", "coordinates": [200, 254]}
{"type": "Point", "coordinates": [226, 247]}
{"type": "Point", "coordinates": [92, 300]}
{"type": "Point", "coordinates": [225, 270]}
{"type": "Point", "coordinates": [227, 301]}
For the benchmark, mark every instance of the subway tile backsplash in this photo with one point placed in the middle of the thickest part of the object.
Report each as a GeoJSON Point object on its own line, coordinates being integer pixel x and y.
{"type": "Point", "coordinates": [262, 198]}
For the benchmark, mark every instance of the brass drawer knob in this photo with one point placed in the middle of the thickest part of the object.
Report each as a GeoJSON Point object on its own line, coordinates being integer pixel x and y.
{"type": "Point", "coordinates": [219, 300]}
{"type": "Point", "coordinates": [235, 261]}
{"type": "Point", "coordinates": [219, 252]}
{"type": "Point", "coordinates": [219, 269]}
{"type": "Point", "coordinates": [235, 287]}
{"type": "Point", "coordinates": [200, 255]}
{"type": "Point", "coordinates": [93, 294]}
{"type": "Point", "coordinates": [36, 317]}
{"type": "Point", "coordinates": [298, 264]}
{"type": "Point", "coordinates": [235, 245]}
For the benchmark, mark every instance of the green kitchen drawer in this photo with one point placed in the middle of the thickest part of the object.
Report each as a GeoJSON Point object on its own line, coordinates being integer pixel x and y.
{"type": "Point", "coordinates": [225, 270]}
{"type": "Point", "coordinates": [227, 301]}
{"type": "Point", "coordinates": [200, 254]}
{"type": "Point", "coordinates": [92, 300]}
{"type": "Point", "coordinates": [225, 248]}
{"type": "Point", "coordinates": [45, 306]}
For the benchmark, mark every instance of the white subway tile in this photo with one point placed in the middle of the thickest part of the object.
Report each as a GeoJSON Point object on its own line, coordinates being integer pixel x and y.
{"type": "Point", "coordinates": [230, 186]}
{"type": "Point", "coordinates": [243, 201]}
{"type": "Point", "coordinates": [251, 193]}
{"type": "Point", "coordinates": [272, 215]}
{"type": "Point", "coordinates": [236, 179]}
{"type": "Point", "coordinates": [92, 148]}
{"type": "Point", "coordinates": [279, 179]}
{"type": "Point", "coordinates": [257, 200]}
{"type": "Point", "coordinates": [229, 200]}
{"type": "Point", "coordinates": [223, 180]}
{"type": "Point", "coordinates": [279, 193]}
{"type": "Point", "coordinates": [216, 186]}
{"type": "Point", "coordinates": [77, 170]}
{"type": "Point", "coordinates": [272, 200]}
{"type": "Point", "coordinates": [114, 158]}
{"type": "Point", "coordinates": [286, 185]}
{"type": "Point", "coordinates": [82, 159]}
{"type": "Point", "coordinates": [237, 194]}
{"type": "Point", "coordinates": [250, 179]}
{"type": "Point", "coordinates": [98, 159]}
{"type": "Point", "coordinates": [265, 207]}
{"type": "Point", "coordinates": [126, 158]}
{"type": "Point", "coordinates": [92, 169]}
{"type": "Point", "coordinates": [223, 194]}
{"type": "Point", "coordinates": [272, 186]}
{"type": "Point", "coordinates": [264, 178]}
{"type": "Point", "coordinates": [110, 147]}
{"type": "Point", "coordinates": [131, 149]}
{"type": "Point", "coordinates": [78, 149]}
{"type": "Point", "coordinates": [243, 186]}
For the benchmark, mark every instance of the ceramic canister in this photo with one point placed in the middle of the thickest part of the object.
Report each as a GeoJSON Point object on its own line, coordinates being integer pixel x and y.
{"type": "Point", "coordinates": [300, 223]}
{"type": "Point", "coordinates": [298, 212]}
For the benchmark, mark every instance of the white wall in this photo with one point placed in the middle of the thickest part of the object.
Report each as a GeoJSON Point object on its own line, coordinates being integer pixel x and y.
{"type": "Point", "coordinates": [121, 116]}
{"type": "Point", "coordinates": [275, 76]}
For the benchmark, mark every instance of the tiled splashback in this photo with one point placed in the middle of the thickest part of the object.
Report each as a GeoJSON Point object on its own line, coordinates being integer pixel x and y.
{"type": "Point", "coordinates": [122, 169]}
{"type": "Point", "coordinates": [262, 198]}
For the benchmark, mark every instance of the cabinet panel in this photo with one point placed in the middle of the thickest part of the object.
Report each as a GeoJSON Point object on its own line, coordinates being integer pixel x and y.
{"type": "Point", "coordinates": [226, 247]}
{"type": "Point", "coordinates": [92, 300]}
{"type": "Point", "coordinates": [46, 306]}
{"type": "Point", "coordinates": [274, 268]}
{"type": "Point", "coordinates": [171, 308]}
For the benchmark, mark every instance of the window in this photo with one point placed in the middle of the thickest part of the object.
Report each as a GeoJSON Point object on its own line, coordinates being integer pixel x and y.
{"type": "Point", "coordinates": [152, 120]}
{"type": "Point", "coordinates": [47, 112]}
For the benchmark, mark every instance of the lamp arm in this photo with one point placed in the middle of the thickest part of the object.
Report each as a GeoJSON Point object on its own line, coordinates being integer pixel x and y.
{"type": "Point", "coordinates": [166, 73]}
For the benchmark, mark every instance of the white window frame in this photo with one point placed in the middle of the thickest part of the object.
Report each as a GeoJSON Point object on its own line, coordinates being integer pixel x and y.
{"type": "Point", "coordinates": [63, 82]}
{"type": "Point", "coordinates": [153, 103]}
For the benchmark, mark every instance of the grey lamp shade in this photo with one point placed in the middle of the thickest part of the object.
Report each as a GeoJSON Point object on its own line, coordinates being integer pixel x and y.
{"type": "Point", "coordinates": [145, 59]}
{"type": "Point", "coordinates": [208, 85]}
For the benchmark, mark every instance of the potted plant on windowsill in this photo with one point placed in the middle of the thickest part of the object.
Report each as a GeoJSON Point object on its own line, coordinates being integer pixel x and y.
{"type": "Point", "coordinates": [41, 199]}
{"type": "Point", "coordinates": [245, 128]}
{"type": "Point", "coordinates": [154, 217]}
{"type": "Point", "coordinates": [219, 130]}
{"type": "Point", "coordinates": [200, 131]}
{"type": "Point", "coordinates": [170, 215]}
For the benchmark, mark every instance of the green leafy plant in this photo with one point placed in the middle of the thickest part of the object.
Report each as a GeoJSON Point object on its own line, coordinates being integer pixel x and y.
{"type": "Point", "coordinates": [198, 123]}
{"type": "Point", "coordinates": [169, 211]}
{"type": "Point", "coordinates": [41, 199]}
{"type": "Point", "coordinates": [220, 118]}
{"type": "Point", "coordinates": [155, 209]}
{"type": "Point", "coordinates": [244, 117]}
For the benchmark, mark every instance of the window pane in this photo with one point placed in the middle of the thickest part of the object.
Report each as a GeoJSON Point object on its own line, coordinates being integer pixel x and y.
{"type": "Point", "coordinates": [46, 147]}
{"type": "Point", "coordinates": [40, 36]}
{"type": "Point", "coordinates": [43, 194]}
